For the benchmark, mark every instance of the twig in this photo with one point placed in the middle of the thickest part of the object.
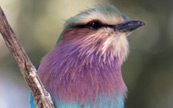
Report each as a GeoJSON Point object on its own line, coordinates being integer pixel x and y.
{"type": "Point", "coordinates": [41, 97]}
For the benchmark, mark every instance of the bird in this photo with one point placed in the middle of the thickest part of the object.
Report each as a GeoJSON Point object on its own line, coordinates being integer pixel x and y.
{"type": "Point", "coordinates": [83, 70]}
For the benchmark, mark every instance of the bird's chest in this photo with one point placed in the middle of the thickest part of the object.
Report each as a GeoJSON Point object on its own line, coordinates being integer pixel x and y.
{"type": "Point", "coordinates": [88, 82]}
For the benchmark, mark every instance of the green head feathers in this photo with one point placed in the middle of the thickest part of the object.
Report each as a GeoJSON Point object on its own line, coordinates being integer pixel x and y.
{"type": "Point", "coordinates": [107, 14]}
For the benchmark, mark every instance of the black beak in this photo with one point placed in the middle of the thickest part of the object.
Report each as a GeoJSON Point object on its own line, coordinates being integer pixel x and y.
{"type": "Point", "coordinates": [128, 26]}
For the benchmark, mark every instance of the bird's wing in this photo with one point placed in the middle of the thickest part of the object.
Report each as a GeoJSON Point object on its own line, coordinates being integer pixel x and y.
{"type": "Point", "coordinates": [31, 101]}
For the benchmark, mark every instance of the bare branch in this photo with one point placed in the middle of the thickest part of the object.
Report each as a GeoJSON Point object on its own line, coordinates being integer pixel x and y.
{"type": "Point", "coordinates": [41, 97]}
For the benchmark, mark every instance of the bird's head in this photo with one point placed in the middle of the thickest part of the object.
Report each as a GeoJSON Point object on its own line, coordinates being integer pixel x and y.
{"type": "Point", "coordinates": [102, 30]}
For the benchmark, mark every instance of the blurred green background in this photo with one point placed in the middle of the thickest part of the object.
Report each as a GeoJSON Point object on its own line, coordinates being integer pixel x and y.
{"type": "Point", "coordinates": [148, 71]}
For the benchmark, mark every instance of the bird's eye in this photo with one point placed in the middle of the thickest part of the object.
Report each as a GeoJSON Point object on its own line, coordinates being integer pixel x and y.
{"type": "Point", "coordinates": [94, 25]}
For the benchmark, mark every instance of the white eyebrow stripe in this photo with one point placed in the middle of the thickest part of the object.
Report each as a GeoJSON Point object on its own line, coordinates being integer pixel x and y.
{"type": "Point", "coordinates": [108, 15]}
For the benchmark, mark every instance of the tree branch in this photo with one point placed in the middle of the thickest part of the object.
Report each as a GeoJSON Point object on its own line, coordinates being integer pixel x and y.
{"type": "Point", "coordinates": [41, 97]}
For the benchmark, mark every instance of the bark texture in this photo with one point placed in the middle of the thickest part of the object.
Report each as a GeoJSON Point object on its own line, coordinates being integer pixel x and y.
{"type": "Point", "coordinates": [41, 97]}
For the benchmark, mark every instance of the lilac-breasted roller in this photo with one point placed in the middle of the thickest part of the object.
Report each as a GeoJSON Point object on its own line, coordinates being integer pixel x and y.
{"type": "Point", "coordinates": [84, 68]}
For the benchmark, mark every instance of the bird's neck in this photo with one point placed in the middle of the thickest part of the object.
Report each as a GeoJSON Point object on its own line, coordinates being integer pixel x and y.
{"type": "Point", "coordinates": [71, 73]}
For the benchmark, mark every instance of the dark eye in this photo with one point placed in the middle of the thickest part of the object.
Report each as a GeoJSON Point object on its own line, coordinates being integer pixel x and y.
{"type": "Point", "coordinates": [94, 25]}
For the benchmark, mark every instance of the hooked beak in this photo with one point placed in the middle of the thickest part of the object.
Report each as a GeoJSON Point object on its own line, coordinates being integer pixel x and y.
{"type": "Point", "coordinates": [128, 26]}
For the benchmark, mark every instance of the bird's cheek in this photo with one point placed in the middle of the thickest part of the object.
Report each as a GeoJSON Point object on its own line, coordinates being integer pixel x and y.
{"type": "Point", "coordinates": [128, 33]}
{"type": "Point", "coordinates": [120, 34]}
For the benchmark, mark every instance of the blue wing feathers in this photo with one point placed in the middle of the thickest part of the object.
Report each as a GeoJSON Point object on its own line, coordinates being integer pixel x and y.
{"type": "Point", "coordinates": [31, 101]}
